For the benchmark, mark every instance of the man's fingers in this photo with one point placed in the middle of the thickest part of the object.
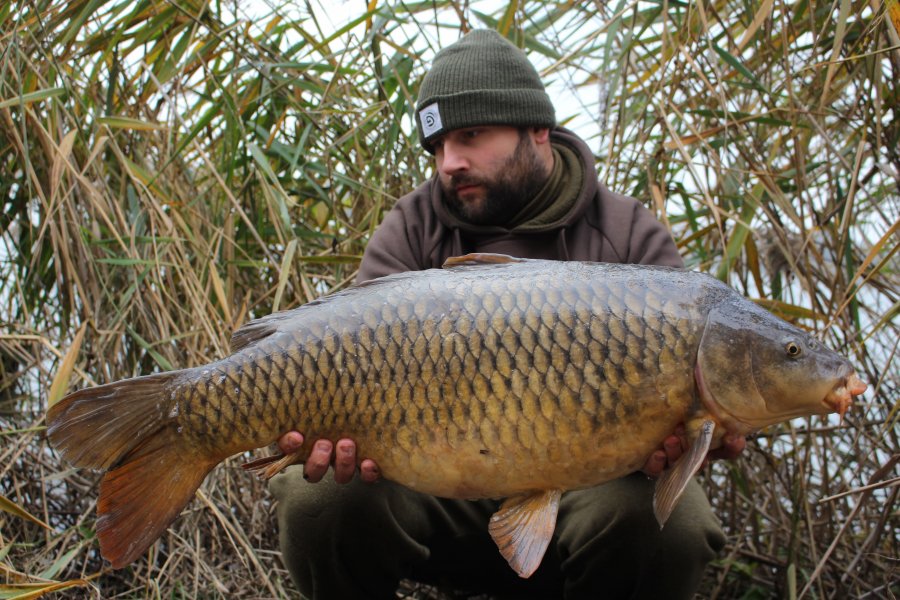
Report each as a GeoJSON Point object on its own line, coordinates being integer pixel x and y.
{"type": "Point", "coordinates": [673, 449]}
{"type": "Point", "coordinates": [317, 464]}
{"type": "Point", "coordinates": [324, 454]}
{"type": "Point", "coordinates": [368, 471]}
{"type": "Point", "coordinates": [655, 464]}
{"type": "Point", "coordinates": [344, 460]}
{"type": "Point", "coordinates": [731, 448]}
{"type": "Point", "coordinates": [290, 442]}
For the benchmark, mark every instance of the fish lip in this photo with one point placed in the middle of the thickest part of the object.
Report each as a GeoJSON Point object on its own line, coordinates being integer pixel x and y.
{"type": "Point", "coordinates": [841, 395]}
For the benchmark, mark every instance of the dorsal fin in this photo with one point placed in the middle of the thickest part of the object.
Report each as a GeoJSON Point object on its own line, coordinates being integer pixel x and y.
{"type": "Point", "coordinates": [256, 330]}
{"type": "Point", "coordinates": [253, 331]}
{"type": "Point", "coordinates": [480, 258]}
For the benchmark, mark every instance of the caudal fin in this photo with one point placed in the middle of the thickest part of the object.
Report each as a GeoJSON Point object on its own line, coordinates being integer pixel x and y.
{"type": "Point", "coordinates": [129, 428]}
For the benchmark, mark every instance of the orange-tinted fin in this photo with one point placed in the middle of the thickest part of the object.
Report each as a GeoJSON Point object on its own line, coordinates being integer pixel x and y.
{"type": "Point", "coordinates": [268, 467]}
{"type": "Point", "coordinates": [480, 258]}
{"type": "Point", "coordinates": [671, 484]}
{"type": "Point", "coordinates": [522, 529]}
{"type": "Point", "coordinates": [130, 427]}
{"type": "Point", "coordinates": [140, 498]}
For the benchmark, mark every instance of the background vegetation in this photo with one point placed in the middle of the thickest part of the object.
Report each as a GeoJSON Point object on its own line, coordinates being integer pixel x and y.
{"type": "Point", "coordinates": [173, 168]}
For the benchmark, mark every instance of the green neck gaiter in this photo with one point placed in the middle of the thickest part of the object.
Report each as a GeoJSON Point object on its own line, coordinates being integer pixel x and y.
{"type": "Point", "coordinates": [555, 200]}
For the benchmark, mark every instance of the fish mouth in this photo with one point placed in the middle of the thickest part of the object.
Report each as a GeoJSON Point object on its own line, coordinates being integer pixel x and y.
{"type": "Point", "coordinates": [841, 396]}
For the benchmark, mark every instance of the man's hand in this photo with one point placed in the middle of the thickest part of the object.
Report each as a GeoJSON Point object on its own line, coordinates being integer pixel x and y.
{"type": "Point", "coordinates": [320, 457]}
{"type": "Point", "coordinates": [676, 444]}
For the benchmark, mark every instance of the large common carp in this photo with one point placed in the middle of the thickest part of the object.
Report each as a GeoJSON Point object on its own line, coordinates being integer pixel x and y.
{"type": "Point", "coordinates": [493, 377]}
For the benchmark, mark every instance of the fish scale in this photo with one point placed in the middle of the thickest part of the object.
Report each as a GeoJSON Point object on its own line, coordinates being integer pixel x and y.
{"type": "Point", "coordinates": [497, 377]}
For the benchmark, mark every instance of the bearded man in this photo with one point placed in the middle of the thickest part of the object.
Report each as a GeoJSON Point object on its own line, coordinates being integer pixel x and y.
{"type": "Point", "coordinates": [509, 181]}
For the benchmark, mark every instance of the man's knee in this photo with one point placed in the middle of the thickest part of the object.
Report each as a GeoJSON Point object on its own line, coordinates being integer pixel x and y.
{"type": "Point", "coordinates": [623, 510]}
{"type": "Point", "coordinates": [345, 540]}
{"type": "Point", "coordinates": [610, 533]}
{"type": "Point", "coordinates": [315, 513]}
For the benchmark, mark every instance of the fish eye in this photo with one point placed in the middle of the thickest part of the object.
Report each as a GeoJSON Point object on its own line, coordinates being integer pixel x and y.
{"type": "Point", "coordinates": [793, 349]}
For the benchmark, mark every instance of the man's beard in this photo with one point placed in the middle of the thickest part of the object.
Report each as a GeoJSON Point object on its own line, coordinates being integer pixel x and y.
{"type": "Point", "coordinates": [518, 180]}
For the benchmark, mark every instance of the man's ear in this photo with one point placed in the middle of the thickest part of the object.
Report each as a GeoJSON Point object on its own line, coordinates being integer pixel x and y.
{"type": "Point", "coordinates": [540, 135]}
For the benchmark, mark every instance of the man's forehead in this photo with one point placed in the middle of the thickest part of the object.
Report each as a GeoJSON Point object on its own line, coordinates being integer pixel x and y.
{"type": "Point", "coordinates": [486, 128]}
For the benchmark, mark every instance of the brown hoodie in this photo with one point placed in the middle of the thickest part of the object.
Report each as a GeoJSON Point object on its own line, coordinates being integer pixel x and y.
{"type": "Point", "coordinates": [418, 233]}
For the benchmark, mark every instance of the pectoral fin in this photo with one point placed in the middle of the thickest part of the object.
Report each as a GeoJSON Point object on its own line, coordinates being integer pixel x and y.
{"type": "Point", "coordinates": [671, 484]}
{"type": "Point", "coordinates": [522, 529]}
{"type": "Point", "coordinates": [268, 467]}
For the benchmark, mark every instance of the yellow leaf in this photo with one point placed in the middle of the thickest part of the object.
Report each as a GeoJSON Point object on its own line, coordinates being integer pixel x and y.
{"type": "Point", "coordinates": [219, 289]}
{"type": "Point", "coordinates": [64, 153]}
{"type": "Point", "coordinates": [30, 591]}
{"type": "Point", "coordinates": [285, 273]}
{"type": "Point", "coordinates": [370, 10]}
{"type": "Point", "coordinates": [12, 508]}
{"type": "Point", "coordinates": [61, 381]}
{"type": "Point", "coordinates": [893, 7]}
{"type": "Point", "coordinates": [761, 15]}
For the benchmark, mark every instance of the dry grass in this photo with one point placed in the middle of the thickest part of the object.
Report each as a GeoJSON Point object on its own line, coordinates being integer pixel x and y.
{"type": "Point", "coordinates": [173, 168]}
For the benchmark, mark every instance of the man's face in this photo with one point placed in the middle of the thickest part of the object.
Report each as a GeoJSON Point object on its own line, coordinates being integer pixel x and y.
{"type": "Point", "coordinates": [488, 174]}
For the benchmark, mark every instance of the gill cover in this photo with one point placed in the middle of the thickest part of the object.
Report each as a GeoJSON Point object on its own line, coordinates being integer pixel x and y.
{"type": "Point", "coordinates": [758, 369]}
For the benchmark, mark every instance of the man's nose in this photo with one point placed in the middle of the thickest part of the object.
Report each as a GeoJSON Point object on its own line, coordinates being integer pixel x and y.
{"type": "Point", "coordinates": [450, 160]}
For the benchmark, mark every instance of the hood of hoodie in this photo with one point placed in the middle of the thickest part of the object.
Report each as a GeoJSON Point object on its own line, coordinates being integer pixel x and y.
{"type": "Point", "coordinates": [567, 147]}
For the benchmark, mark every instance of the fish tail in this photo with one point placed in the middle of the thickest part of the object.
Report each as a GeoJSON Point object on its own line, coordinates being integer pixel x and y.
{"type": "Point", "coordinates": [129, 428]}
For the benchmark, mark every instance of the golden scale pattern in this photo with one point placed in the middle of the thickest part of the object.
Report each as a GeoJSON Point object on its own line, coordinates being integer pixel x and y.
{"type": "Point", "coordinates": [509, 360]}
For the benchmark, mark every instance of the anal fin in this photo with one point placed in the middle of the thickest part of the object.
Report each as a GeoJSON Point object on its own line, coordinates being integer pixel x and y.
{"type": "Point", "coordinates": [522, 529]}
{"type": "Point", "coordinates": [671, 484]}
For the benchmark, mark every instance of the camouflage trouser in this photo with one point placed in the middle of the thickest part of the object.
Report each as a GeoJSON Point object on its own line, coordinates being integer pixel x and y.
{"type": "Point", "coordinates": [358, 540]}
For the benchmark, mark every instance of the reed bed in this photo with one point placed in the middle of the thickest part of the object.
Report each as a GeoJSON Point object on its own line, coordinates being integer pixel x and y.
{"type": "Point", "coordinates": [173, 168]}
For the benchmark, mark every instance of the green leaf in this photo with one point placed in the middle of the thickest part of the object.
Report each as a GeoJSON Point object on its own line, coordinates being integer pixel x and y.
{"type": "Point", "coordinates": [508, 18]}
{"type": "Point", "coordinates": [63, 561]}
{"type": "Point", "coordinates": [789, 311]}
{"type": "Point", "coordinates": [159, 358]}
{"type": "Point", "coordinates": [78, 22]}
{"type": "Point", "coordinates": [33, 97]}
{"type": "Point", "coordinates": [739, 67]}
{"type": "Point", "coordinates": [739, 234]}
{"type": "Point", "coordinates": [128, 123]}
{"type": "Point", "coordinates": [131, 262]}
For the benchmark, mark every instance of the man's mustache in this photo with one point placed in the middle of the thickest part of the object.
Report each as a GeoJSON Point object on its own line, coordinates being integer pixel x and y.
{"type": "Point", "coordinates": [456, 181]}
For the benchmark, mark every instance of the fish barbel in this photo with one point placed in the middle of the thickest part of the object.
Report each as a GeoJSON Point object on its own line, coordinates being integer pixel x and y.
{"type": "Point", "coordinates": [491, 378]}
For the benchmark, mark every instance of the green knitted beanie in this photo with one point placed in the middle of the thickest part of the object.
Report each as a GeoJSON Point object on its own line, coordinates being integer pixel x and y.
{"type": "Point", "coordinates": [480, 80]}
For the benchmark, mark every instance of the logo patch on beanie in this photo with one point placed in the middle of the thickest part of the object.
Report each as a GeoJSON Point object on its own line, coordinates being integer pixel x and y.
{"type": "Point", "coordinates": [430, 117]}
